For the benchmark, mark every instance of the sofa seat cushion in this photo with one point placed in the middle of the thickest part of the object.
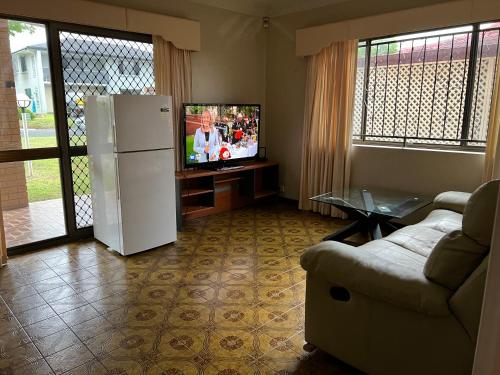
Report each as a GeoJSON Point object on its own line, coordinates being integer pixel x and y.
{"type": "Point", "coordinates": [416, 238]}
{"type": "Point", "coordinates": [421, 238]}
{"type": "Point", "coordinates": [445, 221]}
{"type": "Point", "coordinates": [381, 270]}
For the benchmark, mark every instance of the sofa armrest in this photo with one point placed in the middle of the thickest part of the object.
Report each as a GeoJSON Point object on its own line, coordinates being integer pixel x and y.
{"type": "Point", "coordinates": [388, 275]}
{"type": "Point", "coordinates": [452, 200]}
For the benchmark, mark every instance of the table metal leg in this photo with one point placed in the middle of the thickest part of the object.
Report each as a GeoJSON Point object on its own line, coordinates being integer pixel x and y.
{"type": "Point", "coordinates": [368, 224]}
{"type": "Point", "coordinates": [347, 231]}
{"type": "Point", "coordinates": [375, 233]}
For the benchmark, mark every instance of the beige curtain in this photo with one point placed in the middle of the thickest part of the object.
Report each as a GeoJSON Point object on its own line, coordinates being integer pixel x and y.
{"type": "Point", "coordinates": [173, 77]}
{"type": "Point", "coordinates": [3, 245]}
{"type": "Point", "coordinates": [492, 155]}
{"type": "Point", "coordinates": [327, 132]}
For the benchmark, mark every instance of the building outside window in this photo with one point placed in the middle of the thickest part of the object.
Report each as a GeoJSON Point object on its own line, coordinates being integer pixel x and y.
{"type": "Point", "coordinates": [121, 67]}
{"type": "Point", "coordinates": [137, 68]}
{"type": "Point", "coordinates": [22, 63]}
{"type": "Point", "coordinates": [84, 72]}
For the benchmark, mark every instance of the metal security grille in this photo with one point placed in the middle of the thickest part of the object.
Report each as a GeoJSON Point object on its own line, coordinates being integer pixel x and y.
{"type": "Point", "coordinates": [81, 190]}
{"type": "Point", "coordinates": [428, 88]}
{"type": "Point", "coordinates": [97, 65]}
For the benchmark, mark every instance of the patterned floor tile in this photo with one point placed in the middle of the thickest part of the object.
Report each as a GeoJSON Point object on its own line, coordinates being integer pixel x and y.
{"type": "Point", "coordinates": [190, 315]}
{"type": "Point", "coordinates": [174, 366]}
{"type": "Point", "coordinates": [230, 343]}
{"type": "Point", "coordinates": [69, 358]}
{"type": "Point", "coordinates": [13, 339]}
{"type": "Point", "coordinates": [183, 342]}
{"type": "Point", "coordinates": [93, 367]}
{"type": "Point", "coordinates": [40, 367]}
{"type": "Point", "coordinates": [45, 328]}
{"type": "Point", "coordinates": [19, 356]}
{"type": "Point", "coordinates": [227, 298]}
{"type": "Point", "coordinates": [56, 342]}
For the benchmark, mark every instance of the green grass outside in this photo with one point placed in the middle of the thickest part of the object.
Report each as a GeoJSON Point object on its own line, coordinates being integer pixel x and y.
{"type": "Point", "coordinates": [45, 182]}
{"type": "Point", "coordinates": [45, 121]}
{"type": "Point", "coordinates": [39, 142]}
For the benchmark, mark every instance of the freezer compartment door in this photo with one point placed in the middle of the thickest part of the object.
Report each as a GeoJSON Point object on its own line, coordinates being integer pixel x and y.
{"type": "Point", "coordinates": [147, 199]}
{"type": "Point", "coordinates": [142, 122]}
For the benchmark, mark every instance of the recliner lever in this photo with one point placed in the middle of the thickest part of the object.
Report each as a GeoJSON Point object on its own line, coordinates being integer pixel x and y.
{"type": "Point", "coordinates": [340, 294]}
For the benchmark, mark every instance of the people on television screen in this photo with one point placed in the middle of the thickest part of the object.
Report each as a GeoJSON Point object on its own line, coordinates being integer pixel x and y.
{"type": "Point", "coordinates": [223, 128]}
{"type": "Point", "coordinates": [252, 125]}
{"type": "Point", "coordinates": [206, 140]}
{"type": "Point", "coordinates": [238, 128]}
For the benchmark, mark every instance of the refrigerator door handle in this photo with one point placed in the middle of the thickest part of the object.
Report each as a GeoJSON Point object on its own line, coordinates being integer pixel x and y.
{"type": "Point", "coordinates": [113, 123]}
{"type": "Point", "coordinates": [117, 179]}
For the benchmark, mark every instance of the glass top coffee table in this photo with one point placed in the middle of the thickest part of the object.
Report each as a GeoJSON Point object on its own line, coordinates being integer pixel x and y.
{"type": "Point", "coordinates": [371, 210]}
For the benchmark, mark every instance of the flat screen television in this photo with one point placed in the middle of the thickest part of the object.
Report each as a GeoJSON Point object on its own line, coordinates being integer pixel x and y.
{"type": "Point", "coordinates": [218, 134]}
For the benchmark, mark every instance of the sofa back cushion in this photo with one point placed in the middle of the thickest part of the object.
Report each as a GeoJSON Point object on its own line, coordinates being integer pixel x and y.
{"type": "Point", "coordinates": [453, 259]}
{"type": "Point", "coordinates": [479, 213]}
{"type": "Point", "coordinates": [458, 253]}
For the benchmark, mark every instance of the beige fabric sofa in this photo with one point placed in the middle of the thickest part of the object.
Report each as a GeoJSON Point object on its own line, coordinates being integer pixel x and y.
{"type": "Point", "coordinates": [409, 303]}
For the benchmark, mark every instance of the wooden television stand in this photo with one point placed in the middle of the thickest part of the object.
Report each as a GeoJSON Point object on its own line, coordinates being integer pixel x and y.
{"type": "Point", "coordinates": [204, 192]}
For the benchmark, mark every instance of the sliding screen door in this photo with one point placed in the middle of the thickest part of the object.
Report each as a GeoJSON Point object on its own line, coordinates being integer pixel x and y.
{"type": "Point", "coordinates": [94, 63]}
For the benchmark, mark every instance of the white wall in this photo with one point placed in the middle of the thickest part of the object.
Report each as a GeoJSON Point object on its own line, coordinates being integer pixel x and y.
{"type": "Point", "coordinates": [426, 172]}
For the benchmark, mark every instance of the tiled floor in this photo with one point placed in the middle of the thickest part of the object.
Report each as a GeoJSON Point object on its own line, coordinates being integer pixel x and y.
{"type": "Point", "coordinates": [227, 298]}
{"type": "Point", "coordinates": [38, 221]}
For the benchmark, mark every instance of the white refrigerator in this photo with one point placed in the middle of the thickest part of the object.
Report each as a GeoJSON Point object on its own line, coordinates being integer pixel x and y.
{"type": "Point", "coordinates": [131, 158]}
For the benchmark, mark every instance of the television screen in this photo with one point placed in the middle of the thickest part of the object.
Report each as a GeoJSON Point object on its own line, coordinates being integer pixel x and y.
{"type": "Point", "coordinates": [220, 132]}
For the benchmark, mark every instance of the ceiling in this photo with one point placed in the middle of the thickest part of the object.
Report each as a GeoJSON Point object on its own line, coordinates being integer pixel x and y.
{"type": "Point", "coordinates": [271, 8]}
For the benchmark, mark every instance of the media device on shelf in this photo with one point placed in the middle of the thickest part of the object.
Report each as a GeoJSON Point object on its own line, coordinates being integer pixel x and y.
{"type": "Point", "coordinates": [220, 135]}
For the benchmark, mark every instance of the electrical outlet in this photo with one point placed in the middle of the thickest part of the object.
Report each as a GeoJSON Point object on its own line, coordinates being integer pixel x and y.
{"type": "Point", "coordinates": [282, 188]}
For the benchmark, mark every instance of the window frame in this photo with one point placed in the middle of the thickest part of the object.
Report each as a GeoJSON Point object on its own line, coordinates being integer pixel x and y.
{"type": "Point", "coordinates": [468, 87]}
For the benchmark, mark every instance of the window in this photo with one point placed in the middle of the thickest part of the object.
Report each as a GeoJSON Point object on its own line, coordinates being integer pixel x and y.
{"type": "Point", "coordinates": [22, 62]}
{"type": "Point", "coordinates": [430, 88]}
